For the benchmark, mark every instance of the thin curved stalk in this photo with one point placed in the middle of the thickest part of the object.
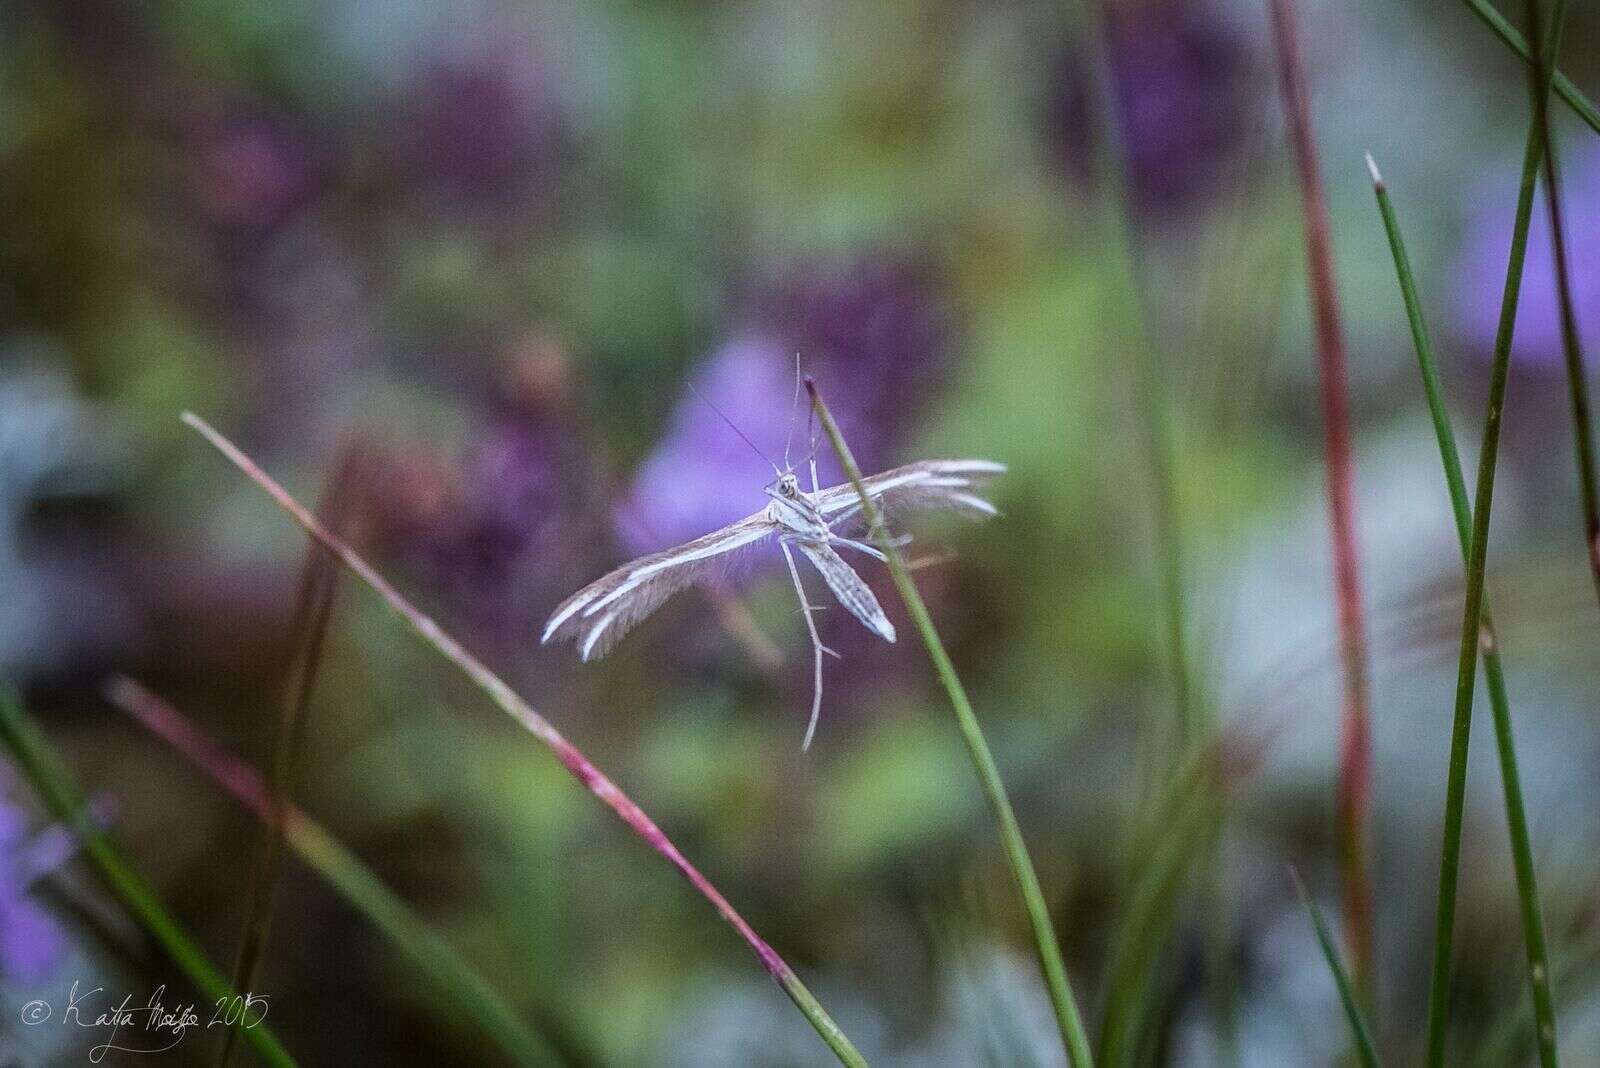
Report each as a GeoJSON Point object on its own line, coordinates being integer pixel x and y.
{"type": "Point", "coordinates": [1560, 83]}
{"type": "Point", "coordinates": [1073, 1035]}
{"type": "Point", "coordinates": [55, 786]}
{"type": "Point", "coordinates": [1472, 620]}
{"type": "Point", "coordinates": [1194, 720]}
{"type": "Point", "coordinates": [1577, 970]}
{"type": "Point", "coordinates": [313, 608]}
{"type": "Point", "coordinates": [1152, 904]}
{"type": "Point", "coordinates": [506, 699]}
{"type": "Point", "coordinates": [1571, 344]}
{"type": "Point", "coordinates": [1111, 161]}
{"type": "Point", "coordinates": [1360, 1033]}
{"type": "Point", "coordinates": [1539, 978]}
{"type": "Point", "coordinates": [472, 996]}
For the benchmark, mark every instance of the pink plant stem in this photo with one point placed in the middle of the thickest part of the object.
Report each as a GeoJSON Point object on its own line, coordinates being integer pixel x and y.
{"type": "Point", "coordinates": [1355, 749]}
{"type": "Point", "coordinates": [177, 730]}
{"type": "Point", "coordinates": [245, 783]}
{"type": "Point", "coordinates": [506, 698]}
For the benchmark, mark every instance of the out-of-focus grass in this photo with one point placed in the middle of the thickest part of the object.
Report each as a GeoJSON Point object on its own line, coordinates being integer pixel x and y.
{"type": "Point", "coordinates": [1073, 1035]}
{"type": "Point", "coordinates": [472, 996]}
{"type": "Point", "coordinates": [1540, 74]}
{"type": "Point", "coordinates": [1560, 83]}
{"type": "Point", "coordinates": [498, 691]}
{"type": "Point", "coordinates": [1360, 1033]}
{"type": "Point", "coordinates": [1482, 501]}
{"type": "Point", "coordinates": [34, 756]}
{"type": "Point", "coordinates": [1539, 979]}
{"type": "Point", "coordinates": [1155, 894]}
{"type": "Point", "coordinates": [313, 607]}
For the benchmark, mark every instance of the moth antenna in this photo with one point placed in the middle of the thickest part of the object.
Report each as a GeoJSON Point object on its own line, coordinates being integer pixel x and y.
{"type": "Point", "coordinates": [794, 406]}
{"type": "Point", "coordinates": [735, 427]}
{"type": "Point", "coordinates": [811, 432]}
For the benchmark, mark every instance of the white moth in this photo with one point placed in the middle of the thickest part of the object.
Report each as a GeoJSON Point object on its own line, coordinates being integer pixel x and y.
{"type": "Point", "coordinates": [597, 616]}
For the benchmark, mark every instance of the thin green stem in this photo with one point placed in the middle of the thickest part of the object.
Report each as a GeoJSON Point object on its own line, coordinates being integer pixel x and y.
{"type": "Point", "coordinates": [1577, 976]}
{"type": "Point", "coordinates": [1539, 976]}
{"type": "Point", "coordinates": [1148, 914]}
{"type": "Point", "coordinates": [468, 991]}
{"type": "Point", "coordinates": [1360, 1033]}
{"type": "Point", "coordinates": [1471, 633]}
{"type": "Point", "coordinates": [1472, 621]}
{"type": "Point", "coordinates": [1110, 159]}
{"type": "Point", "coordinates": [1571, 344]}
{"type": "Point", "coordinates": [61, 795]}
{"type": "Point", "coordinates": [1563, 87]}
{"type": "Point", "coordinates": [571, 757]}
{"type": "Point", "coordinates": [1193, 724]}
{"type": "Point", "coordinates": [1073, 1035]}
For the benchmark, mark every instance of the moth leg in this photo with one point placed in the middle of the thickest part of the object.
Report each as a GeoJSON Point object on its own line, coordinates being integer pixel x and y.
{"type": "Point", "coordinates": [817, 647]}
{"type": "Point", "coordinates": [859, 546]}
{"type": "Point", "coordinates": [898, 541]}
{"type": "Point", "coordinates": [849, 513]}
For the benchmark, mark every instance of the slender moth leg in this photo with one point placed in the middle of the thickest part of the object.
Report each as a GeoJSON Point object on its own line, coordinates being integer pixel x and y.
{"type": "Point", "coordinates": [859, 546]}
{"type": "Point", "coordinates": [816, 645]}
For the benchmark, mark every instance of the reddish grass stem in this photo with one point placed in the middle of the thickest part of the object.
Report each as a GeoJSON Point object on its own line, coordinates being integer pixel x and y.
{"type": "Point", "coordinates": [570, 756]}
{"type": "Point", "coordinates": [1355, 749]}
{"type": "Point", "coordinates": [473, 999]}
{"type": "Point", "coordinates": [313, 608]}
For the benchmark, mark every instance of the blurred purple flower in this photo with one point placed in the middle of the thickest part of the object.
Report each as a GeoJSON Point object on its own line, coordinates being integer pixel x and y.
{"type": "Point", "coordinates": [1179, 74]}
{"type": "Point", "coordinates": [878, 334]}
{"type": "Point", "coordinates": [702, 476]}
{"type": "Point", "coordinates": [31, 942]}
{"type": "Point", "coordinates": [253, 170]}
{"type": "Point", "coordinates": [493, 534]}
{"type": "Point", "coordinates": [485, 129]}
{"type": "Point", "coordinates": [1480, 273]}
{"type": "Point", "coordinates": [874, 334]}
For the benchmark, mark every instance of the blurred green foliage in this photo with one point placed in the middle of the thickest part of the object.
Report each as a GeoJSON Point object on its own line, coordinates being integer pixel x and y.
{"type": "Point", "coordinates": [493, 242]}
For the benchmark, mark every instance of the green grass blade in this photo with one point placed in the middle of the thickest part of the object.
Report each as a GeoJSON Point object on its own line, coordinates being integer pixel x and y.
{"type": "Point", "coordinates": [1147, 918]}
{"type": "Point", "coordinates": [1577, 972]}
{"type": "Point", "coordinates": [54, 784]}
{"type": "Point", "coordinates": [1517, 43]}
{"type": "Point", "coordinates": [469, 992]}
{"type": "Point", "coordinates": [1073, 1035]}
{"type": "Point", "coordinates": [1122, 245]}
{"type": "Point", "coordinates": [1472, 618]}
{"type": "Point", "coordinates": [1539, 974]}
{"type": "Point", "coordinates": [572, 758]}
{"type": "Point", "coordinates": [1571, 343]}
{"type": "Point", "coordinates": [1186, 821]}
{"type": "Point", "coordinates": [1360, 1033]}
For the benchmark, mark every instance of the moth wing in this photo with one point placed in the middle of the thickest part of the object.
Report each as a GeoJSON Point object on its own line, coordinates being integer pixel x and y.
{"type": "Point", "coordinates": [923, 486]}
{"type": "Point", "coordinates": [598, 615]}
{"type": "Point", "coordinates": [849, 589]}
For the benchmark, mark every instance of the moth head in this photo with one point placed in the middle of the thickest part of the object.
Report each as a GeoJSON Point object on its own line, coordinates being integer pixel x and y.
{"type": "Point", "coordinates": [788, 485]}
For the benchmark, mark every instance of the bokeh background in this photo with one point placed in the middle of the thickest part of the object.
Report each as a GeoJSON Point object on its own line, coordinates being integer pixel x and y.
{"type": "Point", "coordinates": [487, 245]}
